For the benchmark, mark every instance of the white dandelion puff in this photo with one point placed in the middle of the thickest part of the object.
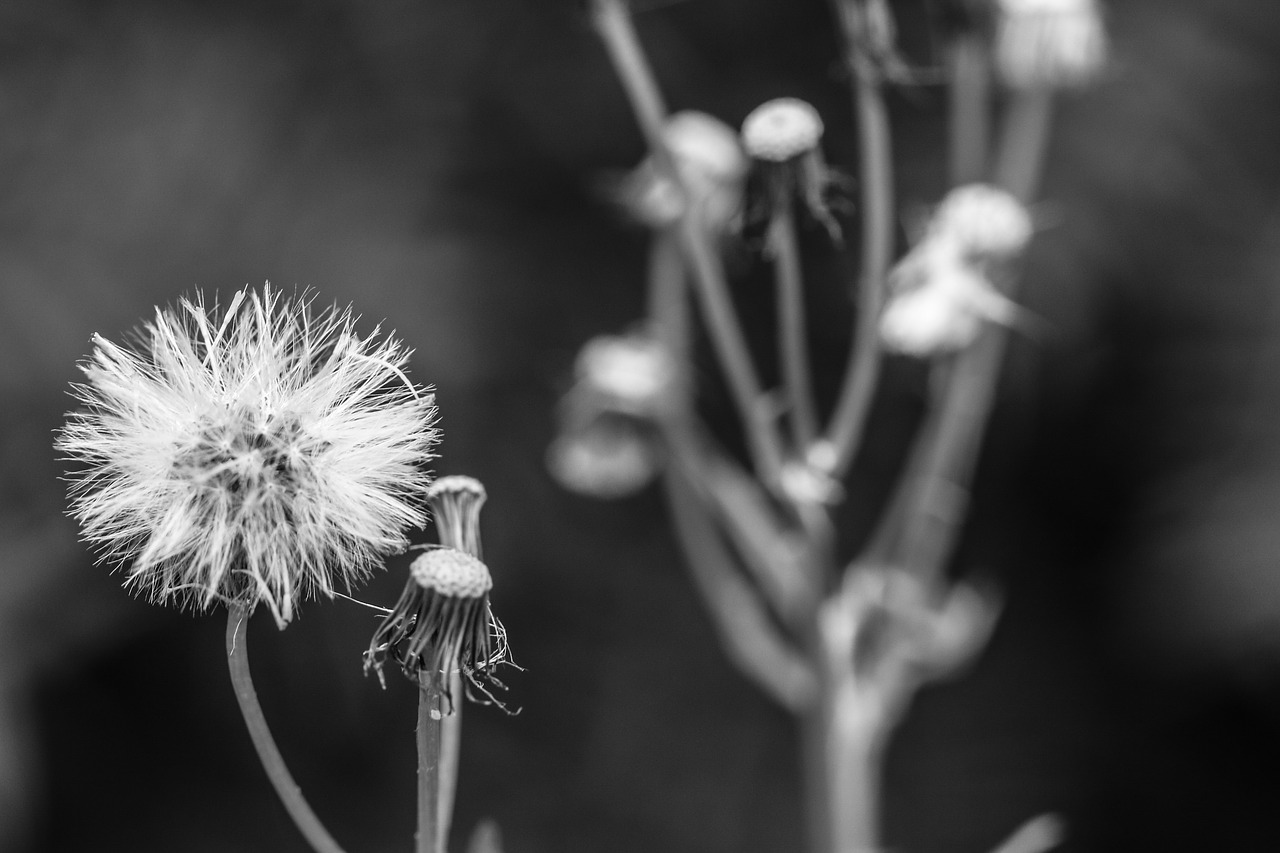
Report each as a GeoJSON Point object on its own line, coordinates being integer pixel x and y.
{"type": "Point", "coordinates": [261, 453]}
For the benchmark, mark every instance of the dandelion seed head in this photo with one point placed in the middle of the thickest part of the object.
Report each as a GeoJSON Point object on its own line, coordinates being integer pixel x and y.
{"type": "Point", "coordinates": [781, 129]}
{"type": "Point", "coordinates": [261, 453]}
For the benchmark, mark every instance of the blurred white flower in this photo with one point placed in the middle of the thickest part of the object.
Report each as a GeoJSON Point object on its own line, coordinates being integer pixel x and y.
{"type": "Point", "coordinates": [712, 168]}
{"type": "Point", "coordinates": [631, 374]}
{"type": "Point", "coordinates": [781, 129]}
{"type": "Point", "coordinates": [987, 222]}
{"type": "Point", "coordinates": [607, 458]}
{"type": "Point", "coordinates": [1049, 43]}
{"type": "Point", "coordinates": [261, 453]}
{"type": "Point", "coordinates": [939, 301]}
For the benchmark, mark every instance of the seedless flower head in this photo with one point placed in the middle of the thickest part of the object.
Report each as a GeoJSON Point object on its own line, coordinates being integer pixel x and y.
{"type": "Point", "coordinates": [258, 453]}
{"type": "Point", "coordinates": [443, 624]}
{"type": "Point", "coordinates": [781, 129]}
{"type": "Point", "coordinates": [1049, 43]}
{"type": "Point", "coordinates": [456, 501]}
{"type": "Point", "coordinates": [986, 221]}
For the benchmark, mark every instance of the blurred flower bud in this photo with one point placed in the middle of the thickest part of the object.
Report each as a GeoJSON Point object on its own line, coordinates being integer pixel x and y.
{"type": "Point", "coordinates": [611, 457]}
{"type": "Point", "coordinates": [1049, 43]}
{"type": "Point", "coordinates": [781, 129]}
{"type": "Point", "coordinates": [940, 301]}
{"type": "Point", "coordinates": [712, 168]}
{"type": "Point", "coordinates": [986, 221]}
{"type": "Point", "coordinates": [630, 374]}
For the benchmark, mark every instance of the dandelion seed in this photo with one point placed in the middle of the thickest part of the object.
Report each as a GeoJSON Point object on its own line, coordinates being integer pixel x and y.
{"type": "Point", "coordinates": [443, 624]}
{"type": "Point", "coordinates": [261, 453]}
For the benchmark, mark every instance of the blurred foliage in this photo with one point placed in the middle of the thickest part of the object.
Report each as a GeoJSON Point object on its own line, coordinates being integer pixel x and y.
{"type": "Point", "coordinates": [432, 163]}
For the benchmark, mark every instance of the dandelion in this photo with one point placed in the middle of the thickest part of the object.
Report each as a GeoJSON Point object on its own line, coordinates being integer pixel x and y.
{"type": "Point", "coordinates": [261, 453]}
{"type": "Point", "coordinates": [1049, 43]}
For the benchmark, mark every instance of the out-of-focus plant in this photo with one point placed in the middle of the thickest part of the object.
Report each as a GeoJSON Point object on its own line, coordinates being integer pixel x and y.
{"type": "Point", "coordinates": [842, 641]}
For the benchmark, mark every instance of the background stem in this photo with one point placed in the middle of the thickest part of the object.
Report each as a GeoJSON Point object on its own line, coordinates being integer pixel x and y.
{"type": "Point", "coordinates": [430, 716]}
{"type": "Point", "coordinates": [268, 753]}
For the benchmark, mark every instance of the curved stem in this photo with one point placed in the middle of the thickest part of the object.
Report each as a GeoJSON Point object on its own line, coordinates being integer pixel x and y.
{"type": "Point", "coordinates": [792, 343]}
{"type": "Point", "coordinates": [876, 171]}
{"type": "Point", "coordinates": [268, 753]}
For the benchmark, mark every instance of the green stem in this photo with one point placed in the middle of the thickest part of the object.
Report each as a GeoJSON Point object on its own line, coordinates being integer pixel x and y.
{"type": "Point", "coordinates": [876, 173]}
{"type": "Point", "coordinates": [268, 753]}
{"type": "Point", "coordinates": [429, 838]}
{"type": "Point", "coordinates": [792, 337]}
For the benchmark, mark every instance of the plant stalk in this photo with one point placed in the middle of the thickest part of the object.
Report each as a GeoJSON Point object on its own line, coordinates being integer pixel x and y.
{"type": "Point", "coordinates": [429, 838]}
{"type": "Point", "coordinates": [268, 753]}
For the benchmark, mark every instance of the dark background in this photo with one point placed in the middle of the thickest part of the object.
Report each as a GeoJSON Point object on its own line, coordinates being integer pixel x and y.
{"type": "Point", "coordinates": [433, 163]}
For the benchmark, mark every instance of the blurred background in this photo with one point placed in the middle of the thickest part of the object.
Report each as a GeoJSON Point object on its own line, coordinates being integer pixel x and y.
{"type": "Point", "coordinates": [434, 163]}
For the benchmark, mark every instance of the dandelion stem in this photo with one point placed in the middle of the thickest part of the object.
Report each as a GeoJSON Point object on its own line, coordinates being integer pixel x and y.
{"type": "Point", "coordinates": [876, 172]}
{"type": "Point", "coordinates": [263, 742]}
{"type": "Point", "coordinates": [792, 343]}
{"type": "Point", "coordinates": [450, 749]}
{"type": "Point", "coordinates": [429, 738]}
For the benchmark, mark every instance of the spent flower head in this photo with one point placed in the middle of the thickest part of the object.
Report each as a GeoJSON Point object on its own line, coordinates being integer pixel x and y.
{"type": "Point", "coordinates": [264, 452]}
{"type": "Point", "coordinates": [1049, 43]}
{"type": "Point", "coordinates": [608, 457]}
{"type": "Point", "coordinates": [633, 374]}
{"type": "Point", "coordinates": [443, 624]}
{"type": "Point", "coordinates": [781, 129]}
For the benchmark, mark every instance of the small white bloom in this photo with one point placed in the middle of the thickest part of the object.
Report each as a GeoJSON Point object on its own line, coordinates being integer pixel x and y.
{"type": "Point", "coordinates": [781, 129]}
{"type": "Point", "coordinates": [986, 221]}
{"type": "Point", "coordinates": [632, 374]}
{"type": "Point", "coordinates": [261, 453]}
{"type": "Point", "coordinates": [940, 302]}
{"type": "Point", "coordinates": [1049, 43]}
{"type": "Point", "coordinates": [608, 458]}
